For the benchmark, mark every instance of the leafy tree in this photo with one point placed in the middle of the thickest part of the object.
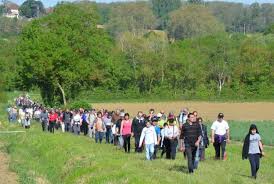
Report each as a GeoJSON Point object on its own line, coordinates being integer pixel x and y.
{"type": "Point", "coordinates": [133, 17]}
{"type": "Point", "coordinates": [63, 52]}
{"type": "Point", "coordinates": [193, 21]}
{"type": "Point", "coordinates": [32, 8]}
{"type": "Point", "coordinates": [162, 8]}
{"type": "Point", "coordinates": [195, 1]}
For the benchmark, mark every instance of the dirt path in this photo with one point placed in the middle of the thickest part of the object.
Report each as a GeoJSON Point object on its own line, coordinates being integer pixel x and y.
{"type": "Point", "coordinates": [208, 110]}
{"type": "Point", "coordinates": [6, 176]}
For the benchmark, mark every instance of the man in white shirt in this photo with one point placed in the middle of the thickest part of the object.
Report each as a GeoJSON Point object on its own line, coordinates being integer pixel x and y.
{"type": "Point", "coordinates": [220, 135]}
{"type": "Point", "coordinates": [149, 135]}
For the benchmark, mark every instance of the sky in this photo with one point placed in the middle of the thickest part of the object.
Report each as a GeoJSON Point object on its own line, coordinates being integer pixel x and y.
{"type": "Point", "coordinates": [50, 3]}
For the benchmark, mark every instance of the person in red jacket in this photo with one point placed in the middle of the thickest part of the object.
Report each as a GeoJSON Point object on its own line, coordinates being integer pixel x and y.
{"type": "Point", "coordinates": [52, 120]}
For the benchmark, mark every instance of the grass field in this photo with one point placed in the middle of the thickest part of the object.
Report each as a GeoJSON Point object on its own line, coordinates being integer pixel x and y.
{"type": "Point", "coordinates": [43, 158]}
{"type": "Point", "coordinates": [40, 157]}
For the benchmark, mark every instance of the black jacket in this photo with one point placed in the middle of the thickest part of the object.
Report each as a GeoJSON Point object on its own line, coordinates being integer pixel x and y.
{"type": "Point", "coordinates": [137, 126]}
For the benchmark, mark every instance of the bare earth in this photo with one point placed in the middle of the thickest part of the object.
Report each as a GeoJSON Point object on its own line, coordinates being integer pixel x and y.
{"type": "Point", "coordinates": [6, 176]}
{"type": "Point", "coordinates": [207, 110]}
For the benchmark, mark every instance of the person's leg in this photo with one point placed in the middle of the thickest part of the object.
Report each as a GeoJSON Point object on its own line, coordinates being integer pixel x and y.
{"type": "Point", "coordinates": [101, 136]}
{"type": "Point", "coordinates": [108, 135]}
{"type": "Point", "coordinates": [189, 159]}
{"type": "Point", "coordinates": [195, 160]}
{"type": "Point", "coordinates": [202, 154]}
{"type": "Point", "coordinates": [128, 142]}
{"type": "Point", "coordinates": [96, 136]}
{"type": "Point", "coordinates": [125, 143]}
{"type": "Point", "coordinates": [137, 141]}
{"type": "Point", "coordinates": [217, 150]}
{"type": "Point", "coordinates": [174, 149]}
{"type": "Point", "coordinates": [223, 145]}
{"type": "Point", "coordinates": [257, 161]}
{"type": "Point", "coordinates": [151, 148]}
{"type": "Point", "coordinates": [168, 149]}
{"type": "Point", "coordinates": [252, 161]}
{"type": "Point", "coordinates": [147, 151]}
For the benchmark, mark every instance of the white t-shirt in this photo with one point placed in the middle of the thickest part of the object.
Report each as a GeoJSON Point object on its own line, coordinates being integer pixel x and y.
{"type": "Point", "coordinates": [220, 127]}
{"type": "Point", "coordinates": [172, 131]}
{"type": "Point", "coordinates": [149, 134]}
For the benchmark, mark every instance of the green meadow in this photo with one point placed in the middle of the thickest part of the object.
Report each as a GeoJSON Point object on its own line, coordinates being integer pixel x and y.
{"type": "Point", "coordinates": [65, 158]}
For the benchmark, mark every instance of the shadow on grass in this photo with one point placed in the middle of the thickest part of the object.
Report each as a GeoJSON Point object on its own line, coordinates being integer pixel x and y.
{"type": "Point", "coordinates": [179, 168]}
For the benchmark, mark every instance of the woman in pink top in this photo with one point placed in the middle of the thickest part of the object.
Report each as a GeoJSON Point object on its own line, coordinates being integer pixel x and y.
{"type": "Point", "coordinates": [126, 132]}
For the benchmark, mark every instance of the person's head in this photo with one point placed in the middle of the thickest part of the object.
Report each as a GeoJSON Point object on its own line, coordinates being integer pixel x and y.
{"type": "Point", "coordinates": [162, 112]}
{"type": "Point", "coordinates": [171, 119]}
{"type": "Point", "coordinates": [200, 120]}
{"type": "Point", "coordinates": [220, 117]}
{"type": "Point", "coordinates": [151, 111]}
{"type": "Point", "coordinates": [195, 113]}
{"type": "Point", "coordinates": [154, 120]}
{"type": "Point", "coordinates": [253, 129]}
{"type": "Point", "coordinates": [148, 124]}
{"type": "Point", "coordinates": [126, 116]}
{"type": "Point", "coordinates": [139, 114]}
{"type": "Point", "coordinates": [99, 114]}
{"type": "Point", "coordinates": [67, 110]}
{"type": "Point", "coordinates": [117, 112]}
{"type": "Point", "coordinates": [165, 125]}
{"type": "Point", "coordinates": [191, 118]}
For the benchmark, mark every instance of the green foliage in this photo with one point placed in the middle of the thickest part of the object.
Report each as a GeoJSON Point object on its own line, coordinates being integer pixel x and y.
{"type": "Point", "coordinates": [32, 8]}
{"type": "Point", "coordinates": [269, 30]}
{"type": "Point", "coordinates": [63, 51]}
{"type": "Point", "coordinates": [65, 158]}
{"type": "Point", "coordinates": [193, 21]}
{"type": "Point", "coordinates": [133, 17]}
{"type": "Point", "coordinates": [79, 104]}
{"type": "Point", "coordinates": [162, 8]}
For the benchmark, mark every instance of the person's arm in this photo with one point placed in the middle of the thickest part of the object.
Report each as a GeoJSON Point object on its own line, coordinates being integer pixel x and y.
{"type": "Point", "coordinates": [212, 135]}
{"type": "Point", "coordinates": [228, 136]}
{"type": "Point", "coordinates": [121, 127]}
{"type": "Point", "coordinates": [261, 147]}
{"type": "Point", "coordinates": [142, 138]}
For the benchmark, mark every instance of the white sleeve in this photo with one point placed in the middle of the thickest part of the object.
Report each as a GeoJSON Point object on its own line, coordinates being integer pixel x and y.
{"type": "Point", "coordinates": [142, 137]}
{"type": "Point", "coordinates": [226, 126]}
{"type": "Point", "coordinates": [213, 126]}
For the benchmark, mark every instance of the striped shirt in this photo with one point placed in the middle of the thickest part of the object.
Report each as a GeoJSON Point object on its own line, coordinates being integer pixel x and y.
{"type": "Point", "coordinates": [190, 133]}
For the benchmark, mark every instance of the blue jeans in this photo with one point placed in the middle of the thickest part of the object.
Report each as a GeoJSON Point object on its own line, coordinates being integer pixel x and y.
{"type": "Point", "coordinates": [149, 151]}
{"type": "Point", "coordinates": [99, 136]}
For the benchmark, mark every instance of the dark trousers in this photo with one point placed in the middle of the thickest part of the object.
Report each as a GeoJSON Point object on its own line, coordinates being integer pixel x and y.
{"type": "Point", "coordinates": [51, 127]}
{"type": "Point", "coordinates": [67, 127]}
{"type": "Point", "coordinates": [108, 134]}
{"type": "Point", "coordinates": [173, 148]}
{"type": "Point", "coordinates": [99, 136]}
{"type": "Point", "coordinates": [254, 160]}
{"type": "Point", "coordinates": [44, 126]}
{"type": "Point", "coordinates": [190, 154]}
{"type": "Point", "coordinates": [168, 149]}
{"type": "Point", "coordinates": [156, 148]}
{"type": "Point", "coordinates": [137, 141]}
{"type": "Point", "coordinates": [127, 142]}
{"type": "Point", "coordinates": [164, 147]}
{"type": "Point", "coordinates": [218, 147]}
{"type": "Point", "coordinates": [85, 127]}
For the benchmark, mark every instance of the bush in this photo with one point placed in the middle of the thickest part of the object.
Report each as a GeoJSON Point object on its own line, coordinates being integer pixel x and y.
{"type": "Point", "coordinates": [79, 104]}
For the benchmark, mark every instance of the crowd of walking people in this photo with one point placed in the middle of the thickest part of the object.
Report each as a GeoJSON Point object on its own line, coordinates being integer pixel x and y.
{"type": "Point", "coordinates": [158, 134]}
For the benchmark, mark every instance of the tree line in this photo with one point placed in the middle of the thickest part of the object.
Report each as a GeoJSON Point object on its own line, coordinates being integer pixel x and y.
{"type": "Point", "coordinates": [176, 51]}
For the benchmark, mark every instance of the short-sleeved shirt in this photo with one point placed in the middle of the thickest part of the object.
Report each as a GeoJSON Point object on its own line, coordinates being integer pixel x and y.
{"type": "Point", "coordinates": [157, 130]}
{"type": "Point", "coordinates": [220, 127]}
{"type": "Point", "coordinates": [254, 144]}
